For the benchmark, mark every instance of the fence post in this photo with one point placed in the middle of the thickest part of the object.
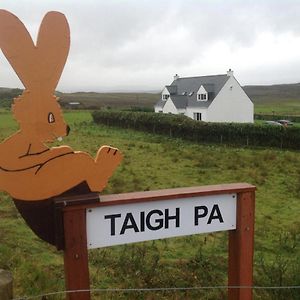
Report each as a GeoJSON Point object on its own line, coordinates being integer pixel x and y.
{"type": "Point", "coordinates": [76, 254]}
{"type": "Point", "coordinates": [6, 285]}
{"type": "Point", "coordinates": [241, 249]}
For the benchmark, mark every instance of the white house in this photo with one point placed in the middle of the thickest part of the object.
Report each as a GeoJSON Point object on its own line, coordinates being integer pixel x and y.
{"type": "Point", "coordinates": [215, 98]}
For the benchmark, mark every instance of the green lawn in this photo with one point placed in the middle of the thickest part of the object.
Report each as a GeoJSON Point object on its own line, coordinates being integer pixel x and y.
{"type": "Point", "coordinates": [155, 162]}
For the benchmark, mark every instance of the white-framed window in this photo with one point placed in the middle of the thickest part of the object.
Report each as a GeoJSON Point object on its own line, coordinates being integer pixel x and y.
{"type": "Point", "coordinates": [197, 116]}
{"type": "Point", "coordinates": [202, 97]}
{"type": "Point", "coordinates": [166, 97]}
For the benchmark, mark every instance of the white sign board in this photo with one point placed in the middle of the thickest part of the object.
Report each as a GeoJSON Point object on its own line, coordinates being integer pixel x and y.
{"type": "Point", "coordinates": [137, 222]}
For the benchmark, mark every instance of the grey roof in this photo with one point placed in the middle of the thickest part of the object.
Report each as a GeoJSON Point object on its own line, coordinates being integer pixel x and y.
{"type": "Point", "coordinates": [179, 101]}
{"type": "Point", "coordinates": [212, 84]}
{"type": "Point", "coordinates": [172, 89]}
{"type": "Point", "coordinates": [209, 87]}
{"type": "Point", "coordinates": [160, 103]}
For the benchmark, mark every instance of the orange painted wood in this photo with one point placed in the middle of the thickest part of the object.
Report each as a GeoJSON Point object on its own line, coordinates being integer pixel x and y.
{"type": "Point", "coordinates": [76, 255]}
{"type": "Point", "coordinates": [241, 248]}
{"type": "Point", "coordinates": [29, 169]}
{"type": "Point", "coordinates": [164, 194]}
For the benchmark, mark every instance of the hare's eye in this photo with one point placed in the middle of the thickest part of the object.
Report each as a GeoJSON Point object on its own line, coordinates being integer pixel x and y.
{"type": "Point", "coordinates": [51, 118]}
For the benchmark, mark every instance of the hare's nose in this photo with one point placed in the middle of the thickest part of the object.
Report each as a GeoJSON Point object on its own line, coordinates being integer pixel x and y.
{"type": "Point", "coordinates": [68, 129]}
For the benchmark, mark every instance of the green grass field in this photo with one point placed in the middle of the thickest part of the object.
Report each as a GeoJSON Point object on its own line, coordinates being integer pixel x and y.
{"type": "Point", "coordinates": [287, 107]}
{"type": "Point", "coordinates": [155, 162]}
{"type": "Point", "coordinates": [280, 99]}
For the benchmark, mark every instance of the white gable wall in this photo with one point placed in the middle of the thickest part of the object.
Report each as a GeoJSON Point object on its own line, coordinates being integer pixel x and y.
{"type": "Point", "coordinates": [191, 110]}
{"type": "Point", "coordinates": [158, 109]}
{"type": "Point", "coordinates": [231, 105]}
{"type": "Point", "coordinates": [170, 108]}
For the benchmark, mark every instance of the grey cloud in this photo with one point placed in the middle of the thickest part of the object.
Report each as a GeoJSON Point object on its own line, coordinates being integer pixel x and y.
{"type": "Point", "coordinates": [135, 39]}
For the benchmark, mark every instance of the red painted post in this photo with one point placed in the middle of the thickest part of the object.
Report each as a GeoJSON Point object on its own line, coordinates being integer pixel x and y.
{"type": "Point", "coordinates": [241, 249]}
{"type": "Point", "coordinates": [76, 254]}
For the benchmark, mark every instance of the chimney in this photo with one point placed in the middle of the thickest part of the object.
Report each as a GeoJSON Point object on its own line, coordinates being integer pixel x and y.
{"type": "Point", "coordinates": [176, 76]}
{"type": "Point", "coordinates": [229, 73]}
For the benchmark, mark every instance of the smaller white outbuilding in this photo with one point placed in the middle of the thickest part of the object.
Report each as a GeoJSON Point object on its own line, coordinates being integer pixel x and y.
{"type": "Point", "coordinates": [215, 98]}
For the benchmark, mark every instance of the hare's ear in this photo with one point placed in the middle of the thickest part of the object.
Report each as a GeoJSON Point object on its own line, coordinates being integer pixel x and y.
{"type": "Point", "coordinates": [16, 45]}
{"type": "Point", "coordinates": [38, 67]}
{"type": "Point", "coordinates": [53, 47]}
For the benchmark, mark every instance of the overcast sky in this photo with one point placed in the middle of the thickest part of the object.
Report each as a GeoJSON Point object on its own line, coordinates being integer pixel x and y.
{"type": "Point", "coordinates": [134, 45]}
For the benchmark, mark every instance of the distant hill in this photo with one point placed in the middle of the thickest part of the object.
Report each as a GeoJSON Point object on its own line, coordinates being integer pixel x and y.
{"type": "Point", "coordinates": [113, 100]}
{"type": "Point", "coordinates": [6, 92]}
{"type": "Point", "coordinates": [6, 96]}
{"type": "Point", "coordinates": [91, 100]}
{"type": "Point", "coordinates": [273, 93]}
{"type": "Point", "coordinates": [259, 94]}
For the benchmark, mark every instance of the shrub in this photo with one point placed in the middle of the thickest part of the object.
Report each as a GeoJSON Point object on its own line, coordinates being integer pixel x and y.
{"type": "Point", "coordinates": [178, 126]}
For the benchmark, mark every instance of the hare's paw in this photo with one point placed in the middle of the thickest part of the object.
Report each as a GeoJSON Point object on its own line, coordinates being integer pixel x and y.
{"type": "Point", "coordinates": [108, 158]}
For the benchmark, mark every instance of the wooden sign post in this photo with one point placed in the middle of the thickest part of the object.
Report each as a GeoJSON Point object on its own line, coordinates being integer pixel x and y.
{"type": "Point", "coordinates": [241, 236]}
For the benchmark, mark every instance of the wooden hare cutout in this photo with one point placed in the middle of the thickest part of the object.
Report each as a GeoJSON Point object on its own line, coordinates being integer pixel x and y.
{"type": "Point", "coordinates": [29, 170]}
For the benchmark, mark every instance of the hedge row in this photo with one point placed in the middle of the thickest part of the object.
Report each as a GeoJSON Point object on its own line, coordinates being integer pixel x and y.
{"type": "Point", "coordinates": [182, 127]}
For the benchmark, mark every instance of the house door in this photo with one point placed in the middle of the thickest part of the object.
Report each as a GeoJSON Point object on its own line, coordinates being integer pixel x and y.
{"type": "Point", "coordinates": [197, 116]}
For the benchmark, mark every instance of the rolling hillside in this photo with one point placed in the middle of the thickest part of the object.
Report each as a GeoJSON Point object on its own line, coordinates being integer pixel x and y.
{"type": "Point", "coordinates": [273, 93]}
{"type": "Point", "coordinates": [113, 100]}
{"type": "Point", "coordinates": [281, 98]}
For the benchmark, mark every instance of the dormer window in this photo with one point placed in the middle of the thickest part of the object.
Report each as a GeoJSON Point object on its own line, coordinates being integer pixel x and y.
{"type": "Point", "coordinates": [183, 94]}
{"type": "Point", "coordinates": [191, 94]}
{"type": "Point", "coordinates": [202, 97]}
{"type": "Point", "coordinates": [202, 94]}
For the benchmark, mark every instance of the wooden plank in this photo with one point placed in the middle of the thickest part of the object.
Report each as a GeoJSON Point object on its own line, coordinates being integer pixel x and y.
{"type": "Point", "coordinates": [6, 285]}
{"type": "Point", "coordinates": [164, 194]}
{"type": "Point", "coordinates": [241, 249]}
{"type": "Point", "coordinates": [76, 255]}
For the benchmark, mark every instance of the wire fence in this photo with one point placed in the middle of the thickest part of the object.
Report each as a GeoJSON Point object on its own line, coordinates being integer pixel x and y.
{"type": "Point", "coordinates": [166, 289]}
